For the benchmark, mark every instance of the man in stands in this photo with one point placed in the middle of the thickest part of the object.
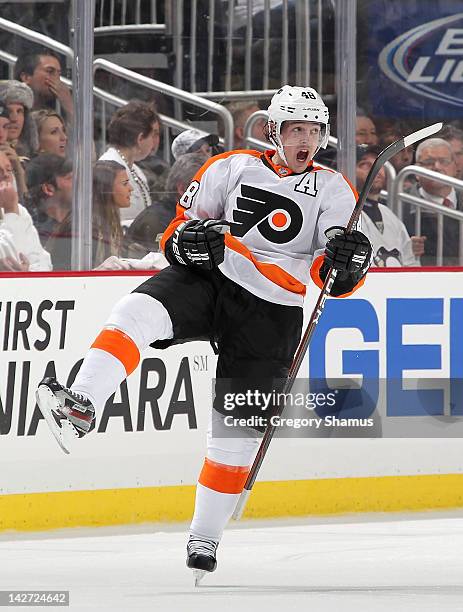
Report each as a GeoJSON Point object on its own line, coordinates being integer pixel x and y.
{"type": "Point", "coordinates": [49, 179]}
{"type": "Point", "coordinates": [19, 99]}
{"type": "Point", "coordinates": [241, 111]}
{"type": "Point", "coordinates": [365, 130]}
{"type": "Point", "coordinates": [454, 136]}
{"type": "Point", "coordinates": [193, 140]}
{"type": "Point", "coordinates": [392, 132]}
{"type": "Point", "coordinates": [436, 154]}
{"type": "Point", "coordinates": [42, 72]}
{"type": "Point", "coordinates": [392, 245]}
{"type": "Point", "coordinates": [4, 121]}
{"type": "Point", "coordinates": [147, 228]}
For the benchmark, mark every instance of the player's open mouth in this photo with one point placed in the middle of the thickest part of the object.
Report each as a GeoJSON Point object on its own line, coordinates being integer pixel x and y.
{"type": "Point", "coordinates": [302, 155]}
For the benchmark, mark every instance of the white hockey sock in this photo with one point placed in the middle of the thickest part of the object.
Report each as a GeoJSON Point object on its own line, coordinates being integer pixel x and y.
{"type": "Point", "coordinates": [213, 510]}
{"type": "Point", "coordinates": [99, 376]}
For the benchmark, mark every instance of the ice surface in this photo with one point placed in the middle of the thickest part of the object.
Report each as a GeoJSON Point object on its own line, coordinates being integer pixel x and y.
{"type": "Point", "coordinates": [358, 564]}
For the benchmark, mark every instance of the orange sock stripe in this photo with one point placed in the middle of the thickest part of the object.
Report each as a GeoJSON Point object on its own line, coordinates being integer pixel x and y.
{"type": "Point", "coordinates": [118, 344]}
{"type": "Point", "coordinates": [223, 478]}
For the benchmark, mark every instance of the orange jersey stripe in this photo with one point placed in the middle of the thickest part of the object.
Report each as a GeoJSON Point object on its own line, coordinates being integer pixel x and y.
{"type": "Point", "coordinates": [118, 344]}
{"type": "Point", "coordinates": [354, 191]}
{"type": "Point", "coordinates": [215, 158]}
{"type": "Point", "coordinates": [170, 229]}
{"type": "Point", "coordinates": [223, 478]}
{"type": "Point", "coordinates": [315, 274]}
{"type": "Point", "coordinates": [317, 168]}
{"type": "Point", "coordinates": [271, 271]}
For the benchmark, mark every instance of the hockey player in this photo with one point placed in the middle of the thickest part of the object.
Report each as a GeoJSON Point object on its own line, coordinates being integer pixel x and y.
{"type": "Point", "coordinates": [250, 230]}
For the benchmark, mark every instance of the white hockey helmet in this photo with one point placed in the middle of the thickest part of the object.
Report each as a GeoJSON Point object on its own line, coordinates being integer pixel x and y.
{"type": "Point", "coordinates": [296, 104]}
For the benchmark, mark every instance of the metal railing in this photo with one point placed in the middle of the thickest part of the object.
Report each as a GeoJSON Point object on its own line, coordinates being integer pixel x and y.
{"type": "Point", "coordinates": [177, 94]}
{"type": "Point", "coordinates": [112, 17]}
{"type": "Point", "coordinates": [141, 28]}
{"type": "Point", "coordinates": [248, 38]}
{"type": "Point", "coordinates": [36, 37]}
{"type": "Point", "coordinates": [116, 14]}
{"type": "Point", "coordinates": [399, 196]}
{"type": "Point", "coordinates": [10, 60]}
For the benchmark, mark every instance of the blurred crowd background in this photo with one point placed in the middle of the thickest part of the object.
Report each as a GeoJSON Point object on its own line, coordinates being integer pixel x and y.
{"type": "Point", "coordinates": [148, 142]}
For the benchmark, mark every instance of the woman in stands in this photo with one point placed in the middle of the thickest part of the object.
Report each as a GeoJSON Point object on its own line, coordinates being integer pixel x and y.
{"type": "Point", "coordinates": [133, 133]}
{"type": "Point", "coordinates": [51, 131]}
{"type": "Point", "coordinates": [111, 195]}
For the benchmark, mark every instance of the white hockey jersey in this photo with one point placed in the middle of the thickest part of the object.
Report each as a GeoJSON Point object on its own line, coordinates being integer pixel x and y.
{"type": "Point", "coordinates": [392, 246]}
{"type": "Point", "coordinates": [277, 219]}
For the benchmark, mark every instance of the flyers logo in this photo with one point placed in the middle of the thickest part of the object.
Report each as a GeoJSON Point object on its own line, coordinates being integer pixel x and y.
{"type": "Point", "coordinates": [277, 218]}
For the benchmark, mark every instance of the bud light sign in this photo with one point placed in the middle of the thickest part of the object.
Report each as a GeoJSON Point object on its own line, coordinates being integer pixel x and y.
{"type": "Point", "coordinates": [422, 54]}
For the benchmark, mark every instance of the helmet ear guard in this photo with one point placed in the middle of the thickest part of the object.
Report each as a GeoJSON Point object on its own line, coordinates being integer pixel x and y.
{"type": "Point", "coordinates": [324, 135]}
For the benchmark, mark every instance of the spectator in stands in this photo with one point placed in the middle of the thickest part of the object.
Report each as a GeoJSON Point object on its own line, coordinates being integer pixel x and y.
{"type": "Point", "coordinates": [49, 180]}
{"type": "Point", "coordinates": [133, 133]}
{"type": "Point", "coordinates": [194, 140]}
{"type": "Point", "coordinates": [240, 112]}
{"type": "Point", "coordinates": [392, 245]}
{"type": "Point", "coordinates": [18, 170]}
{"type": "Point", "coordinates": [19, 99]}
{"type": "Point", "coordinates": [436, 154]}
{"type": "Point", "coordinates": [454, 136]}
{"type": "Point", "coordinates": [20, 248]}
{"type": "Point", "coordinates": [4, 122]}
{"type": "Point", "coordinates": [51, 132]}
{"type": "Point", "coordinates": [392, 132]}
{"type": "Point", "coordinates": [154, 166]}
{"type": "Point", "coordinates": [11, 153]}
{"type": "Point", "coordinates": [42, 72]}
{"type": "Point", "coordinates": [10, 259]}
{"type": "Point", "coordinates": [111, 193]}
{"type": "Point", "coordinates": [365, 131]}
{"type": "Point", "coordinates": [150, 224]}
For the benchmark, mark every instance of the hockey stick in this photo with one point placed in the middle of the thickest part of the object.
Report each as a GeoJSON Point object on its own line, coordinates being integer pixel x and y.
{"type": "Point", "coordinates": [379, 162]}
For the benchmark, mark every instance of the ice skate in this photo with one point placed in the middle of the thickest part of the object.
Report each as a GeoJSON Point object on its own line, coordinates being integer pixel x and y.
{"type": "Point", "coordinates": [68, 414]}
{"type": "Point", "coordinates": [201, 556]}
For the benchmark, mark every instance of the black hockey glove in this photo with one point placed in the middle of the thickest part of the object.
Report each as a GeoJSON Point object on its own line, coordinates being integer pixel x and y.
{"type": "Point", "coordinates": [349, 254]}
{"type": "Point", "coordinates": [197, 243]}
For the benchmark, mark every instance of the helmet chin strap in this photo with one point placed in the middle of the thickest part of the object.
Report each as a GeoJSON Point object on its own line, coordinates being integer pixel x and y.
{"type": "Point", "coordinates": [281, 153]}
{"type": "Point", "coordinates": [276, 140]}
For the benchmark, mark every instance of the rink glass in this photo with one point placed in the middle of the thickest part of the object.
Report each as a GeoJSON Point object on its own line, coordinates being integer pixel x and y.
{"type": "Point", "coordinates": [227, 53]}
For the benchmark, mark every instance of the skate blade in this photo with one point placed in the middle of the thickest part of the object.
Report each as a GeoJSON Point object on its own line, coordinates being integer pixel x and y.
{"type": "Point", "coordinates": [198, 576]}
{"type": "Point", "coordinates": [47, 402]}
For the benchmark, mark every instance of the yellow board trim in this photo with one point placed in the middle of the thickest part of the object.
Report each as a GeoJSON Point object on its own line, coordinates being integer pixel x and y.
{"type": "Point", "coordinates": [43, 511]}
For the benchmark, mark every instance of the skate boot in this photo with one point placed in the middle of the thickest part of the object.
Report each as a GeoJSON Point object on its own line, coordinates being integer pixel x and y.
{"type": "Point", "coordinates": [201, 556]}
{"type": "Point", "coordinates": [68, 414]}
